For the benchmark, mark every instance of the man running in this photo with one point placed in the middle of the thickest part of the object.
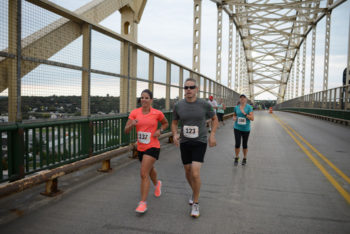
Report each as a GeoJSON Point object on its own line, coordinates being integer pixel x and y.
{"type": "Point", "coordinates": [193, 113]}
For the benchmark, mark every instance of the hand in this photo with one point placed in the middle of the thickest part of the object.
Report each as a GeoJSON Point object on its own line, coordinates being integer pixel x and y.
{"type": "Point", "coordinates": [212, 140]}
{"type": "Point", "coordinates": [176, 139]}
{"type": "Point", "coordinates": [134, 122]}
{"type": "Point", "coordinates": [157, 133]}
{"type": "Point", "coordinates": [234, 118]}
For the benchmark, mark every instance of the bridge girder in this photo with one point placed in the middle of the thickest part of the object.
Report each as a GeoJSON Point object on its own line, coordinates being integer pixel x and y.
{"type": "Point", "coordinates": [272, 33]}
{"type": "Point", "coordinates": [39, 44]}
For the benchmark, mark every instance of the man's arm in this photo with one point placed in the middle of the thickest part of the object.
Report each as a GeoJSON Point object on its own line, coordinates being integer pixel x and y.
{"type": "Point", "coordinates": [174, 125]}
{"type": "Point", "coordinates": [214, 125]}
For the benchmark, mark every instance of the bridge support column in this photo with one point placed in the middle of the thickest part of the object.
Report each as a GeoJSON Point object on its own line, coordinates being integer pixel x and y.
{"type": "Point", "coordinates": [347, 102]}
{"type": "Point", "coordinates": [303, 69]}
{"type": "Point", "coordinates": [241, 68]}
{"type": "Point", "coordinates": [326, 54]}
{"type": "Point", "coordinates": [197, 18]}
{"type": "Point", "coordinates": [313, 52]}
{"type": "Point", "coordinates": [237, 61]}
{"type": "Point", "coordinates": [14, 65]}
{"type": "Point", "coordinates": [85, 92]}
{"type": "Point", "coordinates": [128, 60]}
{"type": "Point", "coordinates": [297, 75]}
{"type": "Point", "coordinates": [219, 44]}
{"type": "Point", "coordinates": [210, 90]}
{"type": "Point", "coordinates": [230, 42]}
{"type": "Point", "coordinates": [181, 82]}
{"type": "Point", "coordinates": [151, 72]}
{"type": "Point", "coordinates": [168, 82]}
{"type": "Point", "coordinates": [205, 88]}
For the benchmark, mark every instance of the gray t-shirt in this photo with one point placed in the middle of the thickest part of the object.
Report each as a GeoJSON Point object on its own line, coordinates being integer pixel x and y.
{"type": "Point", "coordinates": [193, 116]}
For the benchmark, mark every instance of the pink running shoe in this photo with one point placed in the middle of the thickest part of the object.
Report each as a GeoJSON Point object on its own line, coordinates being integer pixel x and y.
{"type": "Point", "coordinates": [142, 207]}
{"type": "Point", "coordinates": [158, 190]}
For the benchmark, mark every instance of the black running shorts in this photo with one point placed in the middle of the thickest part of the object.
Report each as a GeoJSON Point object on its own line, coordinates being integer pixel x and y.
{"type": "Point", "coordinates": [192, 151]}
{"type": "Point", "coordinates": [153, 152]}
{"type": "Point", "coordinates": [220, 116]}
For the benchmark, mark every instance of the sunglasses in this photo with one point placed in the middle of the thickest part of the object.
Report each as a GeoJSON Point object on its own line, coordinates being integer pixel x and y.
{"type": "Point", "coordinates": [190, 87]}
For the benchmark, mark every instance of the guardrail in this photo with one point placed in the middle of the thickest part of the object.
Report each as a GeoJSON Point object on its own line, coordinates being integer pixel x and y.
{"type": "Point", "coordinates": [31, 147]}
{"type": "Point", "coordinates": [332, 104]}
{"type": "Point", "coordinates": [35, 146]}
{"type": "Point", "coordinates": [332, 99]}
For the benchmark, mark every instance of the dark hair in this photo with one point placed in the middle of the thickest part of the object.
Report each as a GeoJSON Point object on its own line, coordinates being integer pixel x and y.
{"type": "Point", "coordinates": [149, 92]}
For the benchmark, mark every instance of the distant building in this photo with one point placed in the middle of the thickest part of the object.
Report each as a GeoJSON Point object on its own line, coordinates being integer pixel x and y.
{"type": "Point", "coordinates": [4, 118]}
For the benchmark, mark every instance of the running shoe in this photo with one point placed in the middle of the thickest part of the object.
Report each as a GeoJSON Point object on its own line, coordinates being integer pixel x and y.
{"type": "Point", "coordinates": [158, 190]}
{"type": "Point", "coordinates": [244, 161]}
{"type": "Point", "coordinates": [195, 210]}
{"type": "Point", "coordinates": [236, 161]}
{"type": "Point", "coordinates": [190, 201]}
{"type": "Point", "coordinates": [142, 207]}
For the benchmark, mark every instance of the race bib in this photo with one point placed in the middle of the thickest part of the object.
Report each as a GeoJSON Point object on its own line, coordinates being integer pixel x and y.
{"type": "Point", "coordinates": [144, 137]}
{"type": "Point", "coordinates": [191, 131]}
{"type": "Point", "coordinates": [241, 121]}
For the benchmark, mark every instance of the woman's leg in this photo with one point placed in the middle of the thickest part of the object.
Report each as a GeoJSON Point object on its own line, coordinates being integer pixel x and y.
{"type": "Point", "coordinates": [238, 141]}
{"type": "Point", "coordinates": [245, 137]}
{"type": "Point", "coordinates": [153, 175]}
{"type": "Point", "coordinates": [146, 167]}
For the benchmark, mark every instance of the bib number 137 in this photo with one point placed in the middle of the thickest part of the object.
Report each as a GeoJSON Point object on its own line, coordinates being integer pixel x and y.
{"type": "Point", "coordinates": [191, 131]}
{"type": "Point", "coordinates": [144, 137]}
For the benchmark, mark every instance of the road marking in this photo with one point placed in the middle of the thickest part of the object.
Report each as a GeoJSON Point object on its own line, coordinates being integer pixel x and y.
{"type": "Point", "coordinates": [324, 158]}
{"type": "Point", "coordinates": [330, 178]}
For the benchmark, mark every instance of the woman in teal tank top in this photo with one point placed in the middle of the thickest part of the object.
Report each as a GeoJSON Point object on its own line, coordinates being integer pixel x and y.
{"type": "Point", "coordinates": [242, 116]}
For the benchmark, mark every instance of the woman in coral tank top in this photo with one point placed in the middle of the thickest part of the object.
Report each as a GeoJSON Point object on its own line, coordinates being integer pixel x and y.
{"type": "Point", "coordinates": [146, 119]}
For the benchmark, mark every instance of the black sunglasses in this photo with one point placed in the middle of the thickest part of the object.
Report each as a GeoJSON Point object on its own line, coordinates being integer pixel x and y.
{"type": "Point", "coordinates": [190, 87]}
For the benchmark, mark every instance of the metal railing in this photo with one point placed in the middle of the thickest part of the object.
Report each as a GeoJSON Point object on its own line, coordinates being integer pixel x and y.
{"type": "Point", "coordinates": [35, 146]}
{"type": "Point", "coordinates": [332, 99]}
{"type": "Point", "coordinates": [332, 104]}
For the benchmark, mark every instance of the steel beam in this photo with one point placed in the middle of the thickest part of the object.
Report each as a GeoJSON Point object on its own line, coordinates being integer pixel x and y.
{"type": "Point", "coordinates": [303, 70]}
{"type": "Point", "coordinates": [313, 52]}
{"type": "Point", "coordinates": [197, 18]}
{"type": "Point", "coordinates": [86, 74]}
{"type": "Point", "coordinates": [230, 45]}
{"type": "Point", "coordinates": [236, 61]}
{"type": "Point", "coordinates": [218, 44]}
{"type": "Point", "coordinates": [326, 53]}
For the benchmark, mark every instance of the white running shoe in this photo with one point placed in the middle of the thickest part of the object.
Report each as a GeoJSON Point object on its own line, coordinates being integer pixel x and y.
{"type": "Point", "coordinates": [195, 210]}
